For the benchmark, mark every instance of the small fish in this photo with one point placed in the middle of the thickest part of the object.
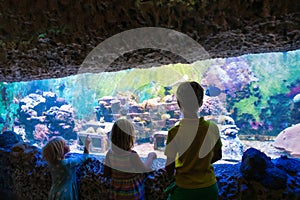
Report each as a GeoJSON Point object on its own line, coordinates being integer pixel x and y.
{"type": "Point", "coordinates": [214, 91]}
{"type": "Point", "coordinates": [296, 98]}
{"type": "Point", "coordinates": [16, 101]}
{"type": "Point", "coordinates": [2, 120]}
{"type": "Point", "coordinates": [4, 94]}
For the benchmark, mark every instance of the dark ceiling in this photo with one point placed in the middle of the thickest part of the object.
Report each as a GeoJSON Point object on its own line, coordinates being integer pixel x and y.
{"type": "Point", "coordinates": [48, 39]}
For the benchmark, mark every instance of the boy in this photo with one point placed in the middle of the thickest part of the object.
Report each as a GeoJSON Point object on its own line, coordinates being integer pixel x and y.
{"type": "Point", "coordinates": [192, 146]}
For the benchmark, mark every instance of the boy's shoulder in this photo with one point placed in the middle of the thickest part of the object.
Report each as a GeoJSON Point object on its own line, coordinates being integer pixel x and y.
{"type": "Point", "coordinates": [212, 123]}
{"type": "Point", "coordinates": [175, 127]}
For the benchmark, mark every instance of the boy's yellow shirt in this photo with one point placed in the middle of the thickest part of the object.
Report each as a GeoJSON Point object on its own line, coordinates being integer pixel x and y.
{"type": "Point", "coordinates": [191, 143]}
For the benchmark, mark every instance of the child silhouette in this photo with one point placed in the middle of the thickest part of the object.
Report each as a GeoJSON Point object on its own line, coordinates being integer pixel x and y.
{"type": "Point", "coordinates": [63, 169]}
{"type": "Point", "coordinates": [192, 146]}
{"type": "Point", "coordinates": [124, 165]}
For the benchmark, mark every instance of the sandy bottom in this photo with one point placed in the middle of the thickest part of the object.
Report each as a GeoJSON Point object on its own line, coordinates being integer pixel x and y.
{"type": "Point", "coordinates": [143, 150]}
{"type": "Point", "coordinates": [265, 147]}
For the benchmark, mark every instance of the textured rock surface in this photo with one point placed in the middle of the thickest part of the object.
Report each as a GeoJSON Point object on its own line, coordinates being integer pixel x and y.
{"type": "Point", "coordinates": [264, 178]}
{"type": "Point", "coordinates": [256, 166]}
{"type": "Point", "coordinates": [288, 140]}
{"type": "Point", "coordinates": [8, 139]}
{"type": "Point", "coordinates": [49, 39]}
{"type": "Point", "coordinates": [26, 176]}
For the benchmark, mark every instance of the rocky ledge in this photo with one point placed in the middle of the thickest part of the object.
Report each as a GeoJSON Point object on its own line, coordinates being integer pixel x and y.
{"type": "Point", "coordinates": [26, 176]}
{"type": "Point", "coordinates": [42, 39]}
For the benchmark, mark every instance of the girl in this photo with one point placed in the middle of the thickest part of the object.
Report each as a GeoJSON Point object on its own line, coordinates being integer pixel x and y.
{"type": "Point", "coordinates": [124, 165]}
{"type": "Point", "coordinates": [63, 169]}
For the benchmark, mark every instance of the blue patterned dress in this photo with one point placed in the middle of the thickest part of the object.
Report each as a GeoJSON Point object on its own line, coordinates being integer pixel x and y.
{"type": "Point", "coordinates": [64, 186]}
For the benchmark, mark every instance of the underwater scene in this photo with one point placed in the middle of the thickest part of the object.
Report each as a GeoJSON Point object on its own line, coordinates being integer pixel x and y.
{"type": "Point", "coordinates": [254, 99]}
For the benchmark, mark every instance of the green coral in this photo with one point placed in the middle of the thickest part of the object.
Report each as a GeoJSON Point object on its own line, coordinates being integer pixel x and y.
{"type": "Point", "coordinates": [273, 70]}
{"type": "Point", "coordinates": [246, 106]}
{"type": "Point", "coordinates": [8, 107]}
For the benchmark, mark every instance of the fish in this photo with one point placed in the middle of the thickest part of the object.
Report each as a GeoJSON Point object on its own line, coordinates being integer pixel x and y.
{"type": "Point", "coordinates": [16, 101]}
{"type": "Point", "coordinates": [294, 90]}
{"type": "Point", "coordinates": [4, 94]}
{"type": "Point", "coordinates": [296, 98]}
{"type": "Point", "coordinates": [214, 91]}
{"type": "Point", "coordinates": [2, 120]}
{"type": "Point", "coordinates": [61, 89]}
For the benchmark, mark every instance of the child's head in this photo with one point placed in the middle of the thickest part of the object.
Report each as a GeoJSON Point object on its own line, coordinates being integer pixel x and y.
{"type": "Point", "coordinates": [55, 150]}
{"type": "Point", "coordinates": [189, 96]}
{"type": "Point", "coordinates": [122, 134]}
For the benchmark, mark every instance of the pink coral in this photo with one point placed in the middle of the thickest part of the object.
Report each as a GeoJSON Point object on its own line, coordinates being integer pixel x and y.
{"type": "Point", "coordinates": [288, 140]}
{"type": "Point", "coordinates": [41, 132]}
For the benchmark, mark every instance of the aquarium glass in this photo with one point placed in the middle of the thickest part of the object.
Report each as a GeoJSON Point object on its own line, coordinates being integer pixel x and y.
{"type": "Point", "coordinates": [255, 96]}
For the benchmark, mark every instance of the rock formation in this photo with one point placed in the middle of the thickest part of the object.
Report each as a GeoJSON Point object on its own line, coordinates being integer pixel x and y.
{"type": "Point", "coordinates": [288, 140]}
{"type": "Point", "coordinates": [26, 176]}
{"type": "Point", "coordinates": [50, 39]}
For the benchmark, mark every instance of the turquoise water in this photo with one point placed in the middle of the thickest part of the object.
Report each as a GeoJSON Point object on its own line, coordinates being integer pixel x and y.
{"type": "Point", "coordinates": [260, 92]}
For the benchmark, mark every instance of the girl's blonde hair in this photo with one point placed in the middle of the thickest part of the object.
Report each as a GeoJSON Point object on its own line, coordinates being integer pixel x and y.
{"type": "Point", "coordinates": [122, 134]}
{"type": "Point", "coordinates": [54, 150]}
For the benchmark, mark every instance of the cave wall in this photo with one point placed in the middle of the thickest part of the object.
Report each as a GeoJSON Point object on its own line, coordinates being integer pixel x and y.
{"type": "Point", "coordinates": [25, 175]}
{"type": "Point", "coordinates": [49, 39]}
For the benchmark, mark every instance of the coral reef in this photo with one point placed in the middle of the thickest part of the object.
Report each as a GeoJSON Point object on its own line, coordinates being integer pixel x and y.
{"type": "Point", "coordinates": [43, 115]}
{"type": "Point", "coordinates": [156, 115]}
{"type": "Point", "coordinates": [8, 139]}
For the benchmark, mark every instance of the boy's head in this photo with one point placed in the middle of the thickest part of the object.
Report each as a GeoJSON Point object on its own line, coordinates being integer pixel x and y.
{"type": "Point", "coordinates": [189, 96]}
{"type": "Point", "coordinates": [55, 150]}
{"type": "Point", "coordinates": [122, 134]}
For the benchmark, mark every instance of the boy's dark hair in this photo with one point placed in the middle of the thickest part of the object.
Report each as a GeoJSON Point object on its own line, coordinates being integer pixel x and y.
{"type": "Point", "coordinates": [190, 96]}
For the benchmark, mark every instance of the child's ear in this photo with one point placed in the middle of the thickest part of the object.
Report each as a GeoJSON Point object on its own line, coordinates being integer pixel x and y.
{"type": "Point", "coordinates": [66, 149]}
{"type": "Point", "coordinates": [200, 103]}
{"type": "Point", "coordinates": [178, 104]}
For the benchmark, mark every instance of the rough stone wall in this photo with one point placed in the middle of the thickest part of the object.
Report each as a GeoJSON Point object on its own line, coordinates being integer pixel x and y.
{"type": "Point", "coordinates": [26, 176]}
{"type": "Point", "coordinates": [48, 39]}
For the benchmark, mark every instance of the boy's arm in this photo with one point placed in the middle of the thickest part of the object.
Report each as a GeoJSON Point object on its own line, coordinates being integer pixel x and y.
{"type": "Point", "coordinates": [217, 154]}
{"type": "Point", "coordinates": [170, 166]}
{"type": "Point", "coordinates": [170, 152]}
